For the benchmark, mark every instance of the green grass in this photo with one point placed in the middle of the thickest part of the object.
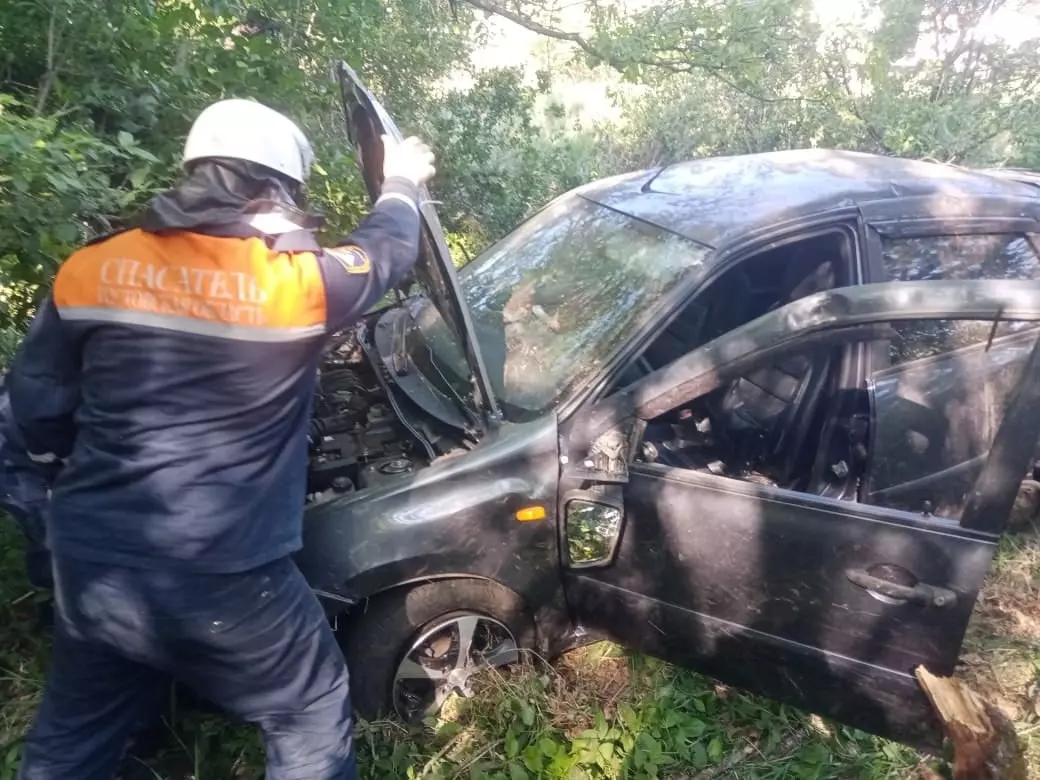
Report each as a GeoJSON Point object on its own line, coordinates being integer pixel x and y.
{"type": "Point", "coordinates": [597, 713]}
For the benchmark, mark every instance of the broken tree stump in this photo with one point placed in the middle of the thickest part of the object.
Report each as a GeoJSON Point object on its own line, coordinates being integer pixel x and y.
{"type": "Point", "coordinates": [985, 745]}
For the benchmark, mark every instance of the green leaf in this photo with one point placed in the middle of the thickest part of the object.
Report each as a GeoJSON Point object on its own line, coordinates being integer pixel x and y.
{"type": "Point", "coordinates": [448, 729]}
{"type": "Point", "coordinates": [629, 717]}
{"type": "Point", "coordinates": [892, 751]}
{"type": "Point", "coordinates": [138, 177]}
{"type": "Point", "coordinates": [126, 140]}
{"type": "Point", "coordinates": [639, 758]}
{"type": "Point", "coordinates": [59, 183]}
{"type": "Point", "coordinates": [516, 772]}
{"type": "Point", "coordinates": [649, 743]}
{"type": "Point", "coordinates": [526, 714]}
{"type": "Point", "coordinates": [66, 233]}
{"type": "Point", "coordinates": [533, 758]}
{"type": "Point", "coordinates": [715, 749]}
{"type": "Point", "coordinates": [700, 756]}
{"type": "Point", "coordinates": [143, 154]}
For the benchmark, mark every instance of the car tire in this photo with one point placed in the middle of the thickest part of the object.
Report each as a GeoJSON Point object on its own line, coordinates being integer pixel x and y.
{"type": "Point", "coordinates": [376, 639]}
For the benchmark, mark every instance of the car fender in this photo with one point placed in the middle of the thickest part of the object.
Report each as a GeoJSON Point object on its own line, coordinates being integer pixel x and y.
{"type": "Point", "coordinates": [457, 517]}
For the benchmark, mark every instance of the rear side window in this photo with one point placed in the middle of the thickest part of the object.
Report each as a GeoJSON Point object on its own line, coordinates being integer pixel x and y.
{"type": "Point", "coordinates": [983, 256]}
{"type": "Point", "coordinates": [937, 407]}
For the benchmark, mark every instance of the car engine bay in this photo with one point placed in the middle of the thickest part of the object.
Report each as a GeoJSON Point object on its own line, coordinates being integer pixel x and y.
{"type": "Point", "coordinates": [364, 431]}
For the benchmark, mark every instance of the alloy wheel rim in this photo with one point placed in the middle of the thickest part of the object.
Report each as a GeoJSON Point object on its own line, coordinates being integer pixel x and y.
{"type": "Point", "coordinates": [445, 659]}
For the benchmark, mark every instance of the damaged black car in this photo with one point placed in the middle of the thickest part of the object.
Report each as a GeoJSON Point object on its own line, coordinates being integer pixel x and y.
{"type": "Point", "coordinates": [761, 416]}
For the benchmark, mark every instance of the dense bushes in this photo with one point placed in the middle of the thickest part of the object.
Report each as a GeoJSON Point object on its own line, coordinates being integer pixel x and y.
{"type": "Point", "coordinates": [60, 185]}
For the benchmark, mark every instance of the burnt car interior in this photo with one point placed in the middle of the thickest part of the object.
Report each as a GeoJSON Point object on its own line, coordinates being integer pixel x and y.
{"type": "Point", "coordinates": [763, 426]}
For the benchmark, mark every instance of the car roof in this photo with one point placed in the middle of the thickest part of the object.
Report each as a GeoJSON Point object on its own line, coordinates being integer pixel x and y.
{"type": "Point", "coordinates": [716, 200]}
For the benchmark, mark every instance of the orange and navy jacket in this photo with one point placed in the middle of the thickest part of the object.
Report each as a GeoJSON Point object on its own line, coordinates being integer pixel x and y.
{"type": "Point", "coordinates": [174, 373]}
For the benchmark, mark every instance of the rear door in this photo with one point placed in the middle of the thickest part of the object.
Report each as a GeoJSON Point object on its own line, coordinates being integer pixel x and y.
{"type": "Point", "coordinates": [826, 604]}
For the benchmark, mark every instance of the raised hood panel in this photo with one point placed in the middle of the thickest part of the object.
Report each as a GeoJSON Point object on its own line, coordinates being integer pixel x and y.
{"type": "Point", "coordinates": [367, 121]}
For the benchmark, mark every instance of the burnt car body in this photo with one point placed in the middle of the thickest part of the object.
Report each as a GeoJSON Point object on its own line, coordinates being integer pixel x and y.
{"type": "Point", "coordinates": [762, 416]}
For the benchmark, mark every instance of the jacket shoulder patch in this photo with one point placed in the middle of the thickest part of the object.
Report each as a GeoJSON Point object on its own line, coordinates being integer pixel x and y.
{"type": "Point", "coordinates": [352, 258]}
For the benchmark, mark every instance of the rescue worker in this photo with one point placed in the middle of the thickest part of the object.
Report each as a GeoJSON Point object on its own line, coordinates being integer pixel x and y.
{"type": "Point", "coordinates": [172, 370]}
{"type": "Point", "coordinates": [23, 495]}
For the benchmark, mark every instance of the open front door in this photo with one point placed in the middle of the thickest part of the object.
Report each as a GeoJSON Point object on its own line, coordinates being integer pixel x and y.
{"type": "Point", "coordinates": [691, 537]}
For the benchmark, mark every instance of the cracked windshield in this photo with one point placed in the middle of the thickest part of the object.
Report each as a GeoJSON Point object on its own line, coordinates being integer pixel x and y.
{"type": "Point", "coordinates": [553, 300]}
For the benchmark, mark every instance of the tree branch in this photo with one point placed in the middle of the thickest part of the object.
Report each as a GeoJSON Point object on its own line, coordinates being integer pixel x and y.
{"type": "Point", "coordinates": [533, 25]}
{"type": "Point", "coordinates": [619, 63]}
{"type": "Point", "coordinates": [875, 134]}
{"type": "Point", "coordinates": [52, 69]}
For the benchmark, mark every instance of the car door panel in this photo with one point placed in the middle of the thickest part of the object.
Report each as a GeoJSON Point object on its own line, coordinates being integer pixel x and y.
{"type": "Point", "coordinates": [723, 566]}
{"type": "Point", "coordinates": [829, 605]}
{"type": "Point", "coordinates": [749, 554]}
{"type": "Point", "coordinates": [851, 692]}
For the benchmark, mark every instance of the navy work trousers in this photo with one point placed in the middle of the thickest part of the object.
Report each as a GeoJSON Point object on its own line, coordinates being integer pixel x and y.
{"type": "Point", "coordinates": [257, 644]}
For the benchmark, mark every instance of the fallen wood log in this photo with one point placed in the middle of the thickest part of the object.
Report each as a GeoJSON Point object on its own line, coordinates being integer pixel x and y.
{"type": "Point", "coordinates": [985, 745]}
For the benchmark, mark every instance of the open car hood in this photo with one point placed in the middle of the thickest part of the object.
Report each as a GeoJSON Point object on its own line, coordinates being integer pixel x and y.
{"type": "Point", "coordinates": [366, 122]}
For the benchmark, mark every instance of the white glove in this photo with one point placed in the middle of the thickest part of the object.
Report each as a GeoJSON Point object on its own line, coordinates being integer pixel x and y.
{"type": "Point", "coordinates": [409, 159]}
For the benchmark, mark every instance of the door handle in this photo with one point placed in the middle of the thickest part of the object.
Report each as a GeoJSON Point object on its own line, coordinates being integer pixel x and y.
{"type": "Point", "coordinates": [925, 595]}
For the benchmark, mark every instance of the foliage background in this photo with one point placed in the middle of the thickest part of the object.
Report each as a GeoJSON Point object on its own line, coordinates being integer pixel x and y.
{"type": "Point", "coordinates": [96, 96]}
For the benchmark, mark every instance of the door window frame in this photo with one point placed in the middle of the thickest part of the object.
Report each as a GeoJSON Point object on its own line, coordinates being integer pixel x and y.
{"type": "Point", "coordinates": [840, 316]}
{"type": "Point", "coordinates": [844, 223]}
{"type": "Point", "coordinates": [922, 217]}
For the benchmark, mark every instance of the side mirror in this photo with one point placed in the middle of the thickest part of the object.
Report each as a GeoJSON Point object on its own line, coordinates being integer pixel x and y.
{"type": "Point", "coordinates": [593, 531]}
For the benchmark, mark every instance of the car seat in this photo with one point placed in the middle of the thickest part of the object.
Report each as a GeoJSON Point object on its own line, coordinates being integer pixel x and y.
{"type": "Point", "coordinates": [763, 417]}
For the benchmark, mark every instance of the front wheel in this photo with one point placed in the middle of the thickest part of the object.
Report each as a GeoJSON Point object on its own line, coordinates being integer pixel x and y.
{"type": "Point", "coordinates": [412, 648]}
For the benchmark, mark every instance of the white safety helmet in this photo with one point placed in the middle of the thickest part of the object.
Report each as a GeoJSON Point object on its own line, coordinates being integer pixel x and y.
{"type": "Point", "coordinates": [247, 130]}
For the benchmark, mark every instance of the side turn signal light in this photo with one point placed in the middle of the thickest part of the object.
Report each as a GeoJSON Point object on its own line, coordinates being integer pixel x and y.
{"type": "Point", "coordinates": [530, 514]}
